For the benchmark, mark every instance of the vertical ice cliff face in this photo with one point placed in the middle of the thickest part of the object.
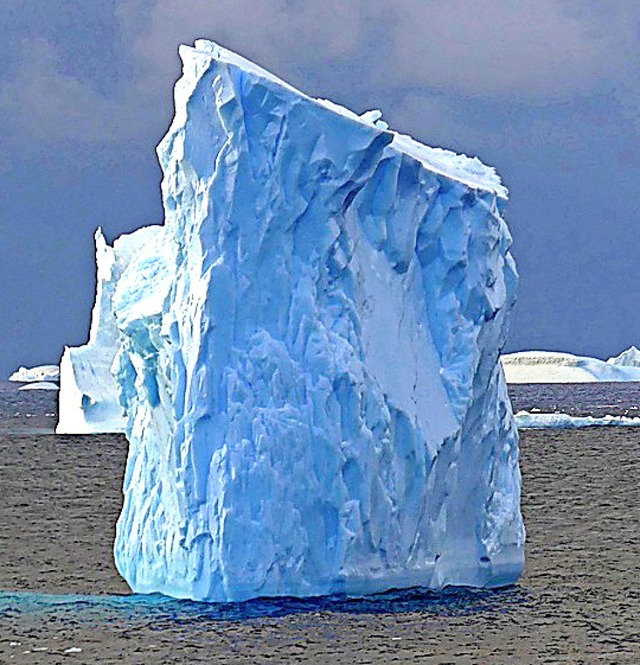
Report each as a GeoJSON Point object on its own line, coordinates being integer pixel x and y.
{"type": "Point", "coordinates": [88, 402]}
{"type": "Point", "coordinates": [309, 355]}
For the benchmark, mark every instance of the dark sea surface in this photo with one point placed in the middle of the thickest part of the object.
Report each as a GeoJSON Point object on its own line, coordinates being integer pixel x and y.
{"type": "Point", "coordinates": [62, 601]}
{"type": "Point", "coordinates": [578, 399]}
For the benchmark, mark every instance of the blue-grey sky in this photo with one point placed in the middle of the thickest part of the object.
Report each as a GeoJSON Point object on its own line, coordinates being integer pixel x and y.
{"type": "Point", "coordinates": [546, 91]}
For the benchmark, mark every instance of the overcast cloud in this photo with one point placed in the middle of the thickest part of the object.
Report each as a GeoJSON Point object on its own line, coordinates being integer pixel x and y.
{"type": "Point", "coordinates": [535, 52]}
{"type": "Point", "coordinates": [545, 90]}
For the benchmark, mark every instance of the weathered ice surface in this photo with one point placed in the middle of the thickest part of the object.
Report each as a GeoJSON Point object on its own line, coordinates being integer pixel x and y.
{"type": "Point", "coordinates": [309, 355]}
{"type": "Point", "coordinates": [88, 402]}
{"type": "Point", "coordinates": [554, 367]}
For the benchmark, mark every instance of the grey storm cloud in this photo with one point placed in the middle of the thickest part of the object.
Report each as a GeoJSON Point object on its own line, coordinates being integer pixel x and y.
{"type": "Point", "coordinates": [547, 90]}
{"type": "Point", "coordinates": [418, 50]}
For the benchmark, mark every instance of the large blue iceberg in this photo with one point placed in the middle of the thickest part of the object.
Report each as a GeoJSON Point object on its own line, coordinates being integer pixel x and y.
{"type": "Point", "coordinates": [309, 355]}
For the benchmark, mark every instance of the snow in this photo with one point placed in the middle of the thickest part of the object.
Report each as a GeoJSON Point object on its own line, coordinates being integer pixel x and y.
{"type": "Point", "coordinates": [40, 385]}
{"type": "Point", "coordinates": [307, 353]}
{"type": "Point", "coordinates": [40, 373]}
{"type": "Point", "coordinates": [528, 420]}
{"type": "Point", "coordinates": [554, 367]}
{"type": "Point", "coordinates": [89, 401]}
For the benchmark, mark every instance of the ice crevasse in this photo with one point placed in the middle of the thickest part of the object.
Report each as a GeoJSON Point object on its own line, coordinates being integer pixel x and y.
{"type": "Point", "coordinates": [308, 355]}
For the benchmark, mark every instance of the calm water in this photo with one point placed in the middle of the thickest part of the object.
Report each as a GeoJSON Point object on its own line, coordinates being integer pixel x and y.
{"type": "Point", "coordinates": [579, 600]}
{"type": "Point", "coordinates": [578, 399]}
{"type": "Point", "coordinates": [23, 411]}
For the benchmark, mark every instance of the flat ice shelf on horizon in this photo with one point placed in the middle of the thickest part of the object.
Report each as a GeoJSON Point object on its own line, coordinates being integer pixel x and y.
{"type": "Point", "coordinates": [555, 367]}
{"type": "Point", "coordinates": [309, 355]}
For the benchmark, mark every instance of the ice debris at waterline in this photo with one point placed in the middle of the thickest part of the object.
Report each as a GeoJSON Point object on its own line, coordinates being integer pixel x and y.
{"type": "Point", "coordinates": [308, 355]}
{"type": "Point", "coordinates": [32, 374]}
{"type": "Point", "coordinates": [554, 367]}
{"type": "Point", "coordinates": [89, 402]}
{"type": "Point", "coordinates": [540, 420]}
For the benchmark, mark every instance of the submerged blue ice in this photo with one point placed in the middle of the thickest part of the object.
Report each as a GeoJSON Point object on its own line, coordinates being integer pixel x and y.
{"type": "Point", "coordinates": [309, 355]}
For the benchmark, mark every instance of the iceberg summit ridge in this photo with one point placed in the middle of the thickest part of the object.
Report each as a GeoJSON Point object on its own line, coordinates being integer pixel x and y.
{"type": "Point", "coordinates": [307, 355]}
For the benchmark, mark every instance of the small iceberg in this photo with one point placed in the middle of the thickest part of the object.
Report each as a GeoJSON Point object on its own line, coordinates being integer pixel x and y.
{"type": "Point", "coordinates": [40, 385]}
{"type": "Point", "coordinates": [529, 420]}
{"type": "Point", "coordinates": [32, 374]}
{"type": "Point", "coordinates": [89, 401]}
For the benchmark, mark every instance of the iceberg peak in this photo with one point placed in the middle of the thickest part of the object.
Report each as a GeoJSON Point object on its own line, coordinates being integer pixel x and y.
{"type": "Point", "coordinates": [628, 358]}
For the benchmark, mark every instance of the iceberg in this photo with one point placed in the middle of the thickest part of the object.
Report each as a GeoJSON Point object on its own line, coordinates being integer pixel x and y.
{"type": "Point", "coordinates": [40, 385]}
{"type": "Point", "coordinates": [89, 401]}
{"type": "Point", "coordinates": [528, 420]}
{"type": "Point", "coordinates": [40, 373]}
{"type": "Point", "coordinates": [307, 353]}
{"type": "Point", "coordinates": [628, 358]}
{"type": "Point", "coordinates": [554, 367]}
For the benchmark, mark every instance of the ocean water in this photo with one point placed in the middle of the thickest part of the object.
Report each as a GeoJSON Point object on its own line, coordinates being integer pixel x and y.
{"type": "Point", "coordinates": [61, 598]}
{"type": "Point", "coordinates": [578, 399]}
{"type": "Point", "coordinates": [24, 411]}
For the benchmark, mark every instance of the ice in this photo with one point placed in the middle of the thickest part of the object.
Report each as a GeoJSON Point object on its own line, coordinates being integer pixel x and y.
{"type": "Point", "coordinates": [628, 358]}
{"type": "Point", "coordinates": [554, 367]}
{"type": "Point", "coordinates": [89, 401]}
{"type": "Point", "coordinates": [40, 373]}
{"type": "Point", "coordinates": [40, 385]}
{"type": "Point", "coordinates": [308, 355]}
{"type": "Point", "coordinates": [528, 420]}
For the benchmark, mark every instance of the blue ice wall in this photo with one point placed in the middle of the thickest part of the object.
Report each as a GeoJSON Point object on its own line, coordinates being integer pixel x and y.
{"type": "Point", "coordinates": [309, 356]}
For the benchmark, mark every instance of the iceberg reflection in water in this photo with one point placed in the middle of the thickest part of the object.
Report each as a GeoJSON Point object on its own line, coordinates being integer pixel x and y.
{"type": "Point", "coordinates": [139, 608]}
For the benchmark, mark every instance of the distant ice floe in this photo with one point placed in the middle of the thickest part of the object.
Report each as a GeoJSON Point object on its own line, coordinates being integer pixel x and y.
{"type": "Point", "coordinates": [40, 373]}
{"type": "Point", "coordinates": [40, 385]}
{"type": "Point", "coordinates": [554, 367]}
{"type": "Point", "coordinates": [528, 420]}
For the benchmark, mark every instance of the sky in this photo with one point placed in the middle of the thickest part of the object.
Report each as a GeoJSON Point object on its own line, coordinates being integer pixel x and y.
{"type": "Point", "coordinates": [548, 92]}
